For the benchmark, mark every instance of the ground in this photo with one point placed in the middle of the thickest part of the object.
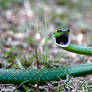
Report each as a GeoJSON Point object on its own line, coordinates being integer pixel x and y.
{"type": "Point", "coordinates": [25, 37]}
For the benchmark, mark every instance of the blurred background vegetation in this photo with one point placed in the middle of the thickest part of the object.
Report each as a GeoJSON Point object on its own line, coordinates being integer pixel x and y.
{"type": "Point", "coordinates": [25, 35]}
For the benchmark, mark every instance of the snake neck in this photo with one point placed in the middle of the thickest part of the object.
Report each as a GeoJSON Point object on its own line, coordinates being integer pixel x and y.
{"type": "Point", "coordinates": [79, 49]}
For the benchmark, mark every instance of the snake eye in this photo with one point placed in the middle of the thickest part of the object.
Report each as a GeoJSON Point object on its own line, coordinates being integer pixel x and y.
{"type": "Point", "coordinates": [58, 31]}
{"type": "Point", "coordinates": [68, 30]}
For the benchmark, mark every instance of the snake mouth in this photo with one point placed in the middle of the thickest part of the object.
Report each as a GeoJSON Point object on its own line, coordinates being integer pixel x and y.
{"type": "Point", "coordinates": [63, 40]}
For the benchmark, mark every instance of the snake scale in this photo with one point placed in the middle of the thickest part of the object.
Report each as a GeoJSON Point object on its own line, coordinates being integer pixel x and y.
{"type": "Point", "coordinates": [61, 39]}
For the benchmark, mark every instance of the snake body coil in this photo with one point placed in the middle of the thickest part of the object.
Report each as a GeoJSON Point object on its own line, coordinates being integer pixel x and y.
{"type": "Point", "coordinates": [32, 76]}
{"type": "Point", "coordinates": [61, 38]}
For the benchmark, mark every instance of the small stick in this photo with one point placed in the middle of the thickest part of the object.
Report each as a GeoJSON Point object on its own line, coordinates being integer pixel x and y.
{"type": "Point", "coordinates": [37, 89]}
{"type": "Point", "coordinates": [37, 62]}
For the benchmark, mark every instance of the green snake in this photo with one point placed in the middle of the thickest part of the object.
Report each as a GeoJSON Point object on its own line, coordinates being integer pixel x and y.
{"type": "Point", "coordinates": [61, 39]}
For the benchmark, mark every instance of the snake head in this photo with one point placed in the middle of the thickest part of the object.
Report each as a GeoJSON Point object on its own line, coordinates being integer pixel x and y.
{"type": "Point", "coordinates": [61, 37]}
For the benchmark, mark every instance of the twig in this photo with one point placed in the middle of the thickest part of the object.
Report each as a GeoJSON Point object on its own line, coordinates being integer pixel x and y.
{"type": "Point", "coordinates": [37, 62]}
{"type": "Point", "coordinates": [37, 89]}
